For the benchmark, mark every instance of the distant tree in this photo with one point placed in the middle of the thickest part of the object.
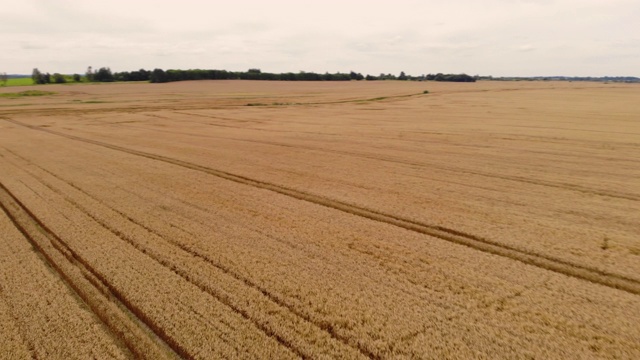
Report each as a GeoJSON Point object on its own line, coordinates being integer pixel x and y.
{"type": "Point", "coordinates": [306, 76]}
{"type": "Point", "coordinates": [89, 74]}
{"type": "Point", "coordinates": [37, 76]}
{"type": "Point", "coordinates": [355, 76]}
{"type": "Point", "coordinates": [140, 75]}
{"type": "Point", "coordinates": [451, 77]}
{"type": "Point", "coordinates": [402, 76]}
{"type": "Point", "coordinates": [386, 77]}
{"type": "Point", "coordinates": [251, 74]}
{"type": "Point", "coordinates": [76, 77]}
{"type": "Point", "coordinates": [103, 74]}
{"type": "Point", "coordinates": [59, 78]}
{"type": "Point", "coordinates": [158, 76]}
{"type": "Point", "coordinates": [4, 78]}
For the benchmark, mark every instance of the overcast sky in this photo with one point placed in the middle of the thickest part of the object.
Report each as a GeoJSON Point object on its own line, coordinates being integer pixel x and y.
{"type": "Point", "coordinates": [486, 37]}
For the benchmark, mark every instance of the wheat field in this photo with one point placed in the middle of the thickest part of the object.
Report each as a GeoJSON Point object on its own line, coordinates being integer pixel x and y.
{"type": "Point", "coordinates": [277, 220]}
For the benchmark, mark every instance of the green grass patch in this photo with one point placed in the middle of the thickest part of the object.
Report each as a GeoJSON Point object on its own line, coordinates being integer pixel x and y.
{"type": "Point", "coordinates": [26, 93]}
{"type": "Point", "coordinates": [27, 81]}
{"type": "Point", "coordinates": [19, 82]}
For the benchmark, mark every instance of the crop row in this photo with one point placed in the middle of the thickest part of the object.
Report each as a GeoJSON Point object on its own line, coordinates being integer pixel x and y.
{"type": "Point", "coordinates": [316, 280]}
{"type": "Point", "coordinates": [41, 316]}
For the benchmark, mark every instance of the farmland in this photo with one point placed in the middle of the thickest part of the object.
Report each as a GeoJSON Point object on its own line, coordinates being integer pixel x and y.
{"type": "Point", "coordinates": [243, 219]}
{"type": "Point", "coordinates": [23, 81]}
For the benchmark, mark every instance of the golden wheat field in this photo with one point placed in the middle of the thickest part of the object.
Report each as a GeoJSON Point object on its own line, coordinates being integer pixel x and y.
{"type": "Point", "coordinates": [281, 220]}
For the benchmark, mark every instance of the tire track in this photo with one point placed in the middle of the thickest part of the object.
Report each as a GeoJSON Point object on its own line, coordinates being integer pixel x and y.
{"type": "Point", "coordinates": [571, 187]}
{"type": "Point", "coordinates": [526, 138]}
{"type": "Point", "coordinates": [390, 159]}
{"type": "Point", "coordinates": [454, 236]}
{"type": "Point", "coordinates": [196, 253]}
{"type": "Point", "coordinates": [125, 321]}
{"type": "Point", "coordinates": [184, 353]}
{"type": "Point", "coordinates": [183, 272]}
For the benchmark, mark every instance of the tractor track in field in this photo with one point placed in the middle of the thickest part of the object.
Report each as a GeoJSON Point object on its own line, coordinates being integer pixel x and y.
{"type": "Point", "coordinates": [127, 324]}
{"type": "Point", "coordinates": [393, 160]}
{"type": "Point", "coordinates": [534, 259]}
{"type": "Point", "coordinates": [184, 272]}
{"type": "Point", "coordinates": [276, 298]}
{"type": "Point", "coordinates": [390, 159]}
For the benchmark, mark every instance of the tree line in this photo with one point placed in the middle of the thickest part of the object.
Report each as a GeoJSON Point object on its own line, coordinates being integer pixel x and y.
{"type": "Point", "coordinates": [162, 76]}
{"type": "Point", "coordinates": [39, 77]}
{"type": "Point", "coordinates": [104, 74]}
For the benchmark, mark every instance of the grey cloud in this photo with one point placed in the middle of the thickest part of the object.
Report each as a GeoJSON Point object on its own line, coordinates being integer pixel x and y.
{"type": "Point", "coordinates": [525, 48]}
{"type": "Point", "coordinates": [498, 37]}
{"type": "Point", "coordinates": [31, 46]}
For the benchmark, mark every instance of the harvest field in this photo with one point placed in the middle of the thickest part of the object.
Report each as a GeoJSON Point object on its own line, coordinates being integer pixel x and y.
{"type": "Point", "coordinates": [239, 219]}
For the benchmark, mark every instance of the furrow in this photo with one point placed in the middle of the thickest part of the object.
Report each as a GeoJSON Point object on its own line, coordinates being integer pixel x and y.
{"type": "Point", "coordinates": [390, 159]}
{"type": "Point", "coordinates": [90, 287]}
{"type": "Point", "coordinates": [538, 182]}
{"type": "Point", "coordinates": [179, 268]}
{"type": "Point", "coordinates": [571, 187]}
{"type": "Point", "coordinates": [451, 235]}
